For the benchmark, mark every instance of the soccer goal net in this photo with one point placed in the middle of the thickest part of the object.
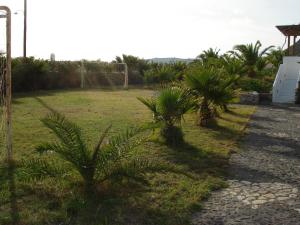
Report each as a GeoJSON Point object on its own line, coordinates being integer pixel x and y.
{"type": "Point", "coordinates": [97, 74]}
{"type": "Point", "coordinates": [5, 83]}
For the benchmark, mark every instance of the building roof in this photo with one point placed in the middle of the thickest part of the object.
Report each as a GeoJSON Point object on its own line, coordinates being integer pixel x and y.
{"type": "Point", "coordinates": [290, 30]}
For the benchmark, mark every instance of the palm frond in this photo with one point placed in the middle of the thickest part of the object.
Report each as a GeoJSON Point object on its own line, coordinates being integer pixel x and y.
{"type": "Point", "coordinates": [137, 168]}
{"type": "Point", "coordinates": [151, 105]}
{"type": "Point", "coordinates": [68, 133]}
{"type": "Point", "coordinates": [101, 139]}
{"type": "Point", "coordinates": [37, 169]}
{"type": "Point", "coordinates": [120, 145]}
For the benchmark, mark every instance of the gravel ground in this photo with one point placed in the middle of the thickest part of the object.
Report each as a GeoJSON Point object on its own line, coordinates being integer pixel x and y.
{"type": "Point", "coordinates": [264, 177]}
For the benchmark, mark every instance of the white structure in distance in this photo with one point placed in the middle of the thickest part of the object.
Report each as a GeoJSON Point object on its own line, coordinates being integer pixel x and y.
{"type": "Point", "coordinates": [287, 80]}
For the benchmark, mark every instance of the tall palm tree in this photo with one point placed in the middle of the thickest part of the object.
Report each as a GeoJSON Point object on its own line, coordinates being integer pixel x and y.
{"type": "Point", "coordinates": [110, 159]}
{"type": "Point", "coordinates": [211, 89]}
{"type": "Point", "coordinates": [250, 55]}
{"type": "Point", "coordinates": [168, 108]}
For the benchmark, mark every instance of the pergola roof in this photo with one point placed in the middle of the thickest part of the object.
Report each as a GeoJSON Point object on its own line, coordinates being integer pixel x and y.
{"type": "Point", "coordinates": [290, 30]}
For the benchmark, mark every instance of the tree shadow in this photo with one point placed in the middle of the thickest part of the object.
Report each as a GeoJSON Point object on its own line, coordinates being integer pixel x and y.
{"type": "Point", "coordinates": [231, 120]}
{"type": "Point", "coordinates": [7, 175]}
{"type": "Point", "coordinates": [245, 173]}
{"type": "Point", "coordinates": [41, 93]}
{"type": "Point", "coordinates": [289, 147]}
{"type": "Point", "coordinates": [123, 204]}
{"type": "Point", "coordinates": [45, 105]}
{"type": "Point", "coordinates": [258, 118]}
{"type": "Point", "coordinates": [288, 107]}
{"type": "Point", "coordinates": [232, 112]}
{"type": "Point", "coordinates": [223, 132]}
{"type": "Point", "coordinates": [197, 160]}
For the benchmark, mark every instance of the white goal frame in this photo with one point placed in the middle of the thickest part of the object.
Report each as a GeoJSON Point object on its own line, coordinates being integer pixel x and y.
{"type": "Point", "coordinates": [125, 72]}
{"type": "Point", "coordinates": [7, 77]}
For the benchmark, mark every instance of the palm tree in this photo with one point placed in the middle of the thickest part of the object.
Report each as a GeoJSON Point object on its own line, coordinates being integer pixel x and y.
{"type": "Point", "coordinates": [108, 160]}
{"type": "Point", "coordinates": [209, 54]}
{"type": "Point", "coordinates": [168, 108]}
{"type": "Point", "coordinates": [275, 57]}
{"type": "Point", "coordinates": [232, 65]}
{"type": "Point", "coordinates": [250, 55]}
{"type": "Point", "coordinates": [211, 89]}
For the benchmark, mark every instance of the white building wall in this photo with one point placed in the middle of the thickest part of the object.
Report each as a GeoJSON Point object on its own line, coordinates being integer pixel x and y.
{"type": "Point", "coordinates": [286, 80]}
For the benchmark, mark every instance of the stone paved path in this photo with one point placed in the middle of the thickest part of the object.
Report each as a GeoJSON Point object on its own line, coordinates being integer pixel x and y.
{"type": "Point", "coordinates": [264, 180]}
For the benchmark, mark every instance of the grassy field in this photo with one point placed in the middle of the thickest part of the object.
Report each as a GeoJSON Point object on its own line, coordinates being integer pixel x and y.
{"type": "Point", "coordinates": [169, 199]}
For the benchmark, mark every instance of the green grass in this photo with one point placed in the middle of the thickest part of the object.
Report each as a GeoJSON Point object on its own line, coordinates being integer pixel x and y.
{"type": "Point", "coordinates": [169, 199]}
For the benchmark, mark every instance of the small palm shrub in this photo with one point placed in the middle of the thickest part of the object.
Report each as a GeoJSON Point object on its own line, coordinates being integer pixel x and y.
{"type": "Point", "coordinates": [168, 109]}
{"type": "Point", "coordinates": [210, 89]}
{"type": "Point", "coordinates": [111, 159]}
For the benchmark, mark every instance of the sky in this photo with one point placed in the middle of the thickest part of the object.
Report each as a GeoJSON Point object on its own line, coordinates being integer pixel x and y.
{"type": "Point", "coordinates": [103, 29]}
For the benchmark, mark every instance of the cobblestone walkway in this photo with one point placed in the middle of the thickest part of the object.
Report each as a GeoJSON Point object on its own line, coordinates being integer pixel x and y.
{"type": "Point", "coordinates": [264, 180]}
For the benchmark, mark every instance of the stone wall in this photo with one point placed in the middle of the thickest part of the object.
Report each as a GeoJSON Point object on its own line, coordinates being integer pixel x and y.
{"type": "Point", "coordinates": [249, 98]}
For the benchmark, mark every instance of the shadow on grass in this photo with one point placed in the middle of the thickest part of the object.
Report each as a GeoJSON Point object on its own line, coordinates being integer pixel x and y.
{"type": "Point", "coordinates": [223, 132]}
{"type": "Point", "coordinates": [232, 112]}
{"type": "Point", "coordinates": [7, 175]}
{"type": "Point", "coordinates": [122, 204]}
{"type": "Point", "coordinates": [200, 162]}
{"type": "Point", "coordinates": [45, 105]}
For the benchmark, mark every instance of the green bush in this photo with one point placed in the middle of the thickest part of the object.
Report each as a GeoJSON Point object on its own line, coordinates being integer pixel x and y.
{"type": "Point", "coordinates": [160, 74]}
{"type": "Point", "coordinates": [34, 74]}
{"type": "Point", "coordinates": [28, 74]}
{"type": "Point", "coordinates": [263, 85]}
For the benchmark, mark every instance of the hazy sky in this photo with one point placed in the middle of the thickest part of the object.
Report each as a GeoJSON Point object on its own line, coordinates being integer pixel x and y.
{"type": "Point", "coordinates": [102, 29]}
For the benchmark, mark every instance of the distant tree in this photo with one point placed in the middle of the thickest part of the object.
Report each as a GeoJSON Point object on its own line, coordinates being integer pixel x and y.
{"type": "Point", "coordinates": [163, 74]}
{"type": "Point", "coordinates": [180, 69]}
{"type": "Point", "coordinates": [232, 65]}
{"type": "Point", "coordinates": [251, 56]}
{"type": "Point", "coordinates": [209, 54]}
{"type": "Point", "coordinates": [275, 57]}
{"type": "Point", "coordinates": [134, 63]}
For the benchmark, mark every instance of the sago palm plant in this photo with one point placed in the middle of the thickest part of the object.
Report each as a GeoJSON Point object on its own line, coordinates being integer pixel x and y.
{"type": "Point", "coordinates": [168, 109]}
{"type": "Point", "coordinates": [110, 159]}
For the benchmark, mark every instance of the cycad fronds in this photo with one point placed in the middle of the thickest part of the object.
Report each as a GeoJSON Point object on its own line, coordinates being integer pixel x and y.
{"type": "Point", "coordinates": [110, 158]}
{"type": "Point", "coordinates": [37, 169]}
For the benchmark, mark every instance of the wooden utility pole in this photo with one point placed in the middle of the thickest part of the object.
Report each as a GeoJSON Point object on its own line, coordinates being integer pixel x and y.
{"type": "Point", "coordinates": [8, 84]}
{"type": "Point", "coordinates": [25, 30]}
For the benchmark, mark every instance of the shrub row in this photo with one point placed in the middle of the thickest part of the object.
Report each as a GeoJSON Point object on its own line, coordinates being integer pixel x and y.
{"type": "Point", "coordinates": [33, 74]}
